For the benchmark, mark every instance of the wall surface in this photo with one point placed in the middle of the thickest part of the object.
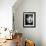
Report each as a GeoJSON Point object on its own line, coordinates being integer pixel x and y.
{"type": "Point", "coordinates": [35, 34]}
{"type": "Point", "coordinates": [43, 22]}
{"type": "Point", "coordinates": [6, 13]}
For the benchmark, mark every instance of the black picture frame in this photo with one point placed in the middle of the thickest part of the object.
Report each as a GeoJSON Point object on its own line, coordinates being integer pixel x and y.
{"type": "Point", "coordinates": [29, 19]}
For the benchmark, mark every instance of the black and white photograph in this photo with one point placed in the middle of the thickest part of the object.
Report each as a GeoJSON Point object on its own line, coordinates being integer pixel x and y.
{"type": "Point", "coordinates": [29, 19]}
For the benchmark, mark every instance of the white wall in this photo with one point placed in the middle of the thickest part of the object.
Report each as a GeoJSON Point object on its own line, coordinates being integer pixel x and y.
{"type": "Point", "coordinates": [35, 34]}
{"type": "Point", "coordinates": [43, 22]}
{"type": "Point", "coordinates": [6, 13]}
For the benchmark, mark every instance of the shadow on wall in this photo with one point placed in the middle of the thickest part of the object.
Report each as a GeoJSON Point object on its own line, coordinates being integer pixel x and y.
{"type": "Point", "coordinates": [12, 44]}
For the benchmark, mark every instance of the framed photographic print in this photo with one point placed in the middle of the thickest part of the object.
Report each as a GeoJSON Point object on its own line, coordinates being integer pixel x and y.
{"type": "Point", "coordinates": [29, 19]}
